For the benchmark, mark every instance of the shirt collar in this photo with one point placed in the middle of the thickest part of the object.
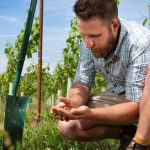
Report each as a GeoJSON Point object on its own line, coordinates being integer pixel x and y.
{"type": "Point", "coordinates": [122, 33]}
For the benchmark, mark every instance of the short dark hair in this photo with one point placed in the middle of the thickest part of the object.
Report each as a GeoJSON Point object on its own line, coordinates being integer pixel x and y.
{"type": "Point", "coordinates": [106, 10]}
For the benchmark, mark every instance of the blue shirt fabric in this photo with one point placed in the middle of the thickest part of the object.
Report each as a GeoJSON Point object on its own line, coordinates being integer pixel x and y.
{"type": "Point", "coordinates": [125, 69]}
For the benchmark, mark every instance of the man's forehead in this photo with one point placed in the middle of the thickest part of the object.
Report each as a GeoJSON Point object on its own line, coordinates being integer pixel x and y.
{"type": "Point", "coordinates": [90, 26]}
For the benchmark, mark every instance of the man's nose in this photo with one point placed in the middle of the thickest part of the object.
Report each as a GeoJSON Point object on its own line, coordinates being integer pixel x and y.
{"type": "Point", "coordinates": [88, 42]}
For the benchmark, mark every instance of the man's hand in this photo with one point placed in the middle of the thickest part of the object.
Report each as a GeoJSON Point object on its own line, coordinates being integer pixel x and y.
{"type": "Point", "coordinates": [65, 104]}
{"type": "Point", "coordinates": [82, 112]}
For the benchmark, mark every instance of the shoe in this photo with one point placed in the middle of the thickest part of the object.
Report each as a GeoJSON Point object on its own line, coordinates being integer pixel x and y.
{"type": "Point", "coordinates": [135, 146]}
{"type": "Point", "coordinates": [126, 136]}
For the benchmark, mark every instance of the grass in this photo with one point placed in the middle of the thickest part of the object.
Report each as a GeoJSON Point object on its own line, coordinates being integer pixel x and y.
{"type": "Point", "coordinates": [44, 135]}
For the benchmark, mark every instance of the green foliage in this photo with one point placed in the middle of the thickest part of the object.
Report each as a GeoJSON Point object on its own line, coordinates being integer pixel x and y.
{"type": "Point", "coordinates": [145, 22]}
{"type": "Point", "coordinates": [12, 53]}
{"type": "Point", "coordinates": [28, 83]}
{"type": "Point", "coordinates": [100, 83]}
{"type": "Point", "coordinates": [4, 86]}
{"type": "Point", "coordinates": [117, 2]}
{"type": "Point", "coordinates": [60, 78]}
{"type": "Point", "coordinates": [45, 135]}
{"type": "Point", "coordinates": [71, 52]}
{"type": "Point", "coordinates": [33, 42]}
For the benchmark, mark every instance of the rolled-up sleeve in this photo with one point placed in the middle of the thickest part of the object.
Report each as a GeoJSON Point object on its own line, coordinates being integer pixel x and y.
{"type": "Point", "coordinates": [85, 73]}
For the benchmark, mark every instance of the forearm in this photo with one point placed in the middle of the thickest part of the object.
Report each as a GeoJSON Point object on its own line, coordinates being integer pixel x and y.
{"type": "Point", "coordinates": [143, 131]}
{"type": "Point", "coordinates": [79, 94]}
{"type": "Point", "coordinates": [116, 114]}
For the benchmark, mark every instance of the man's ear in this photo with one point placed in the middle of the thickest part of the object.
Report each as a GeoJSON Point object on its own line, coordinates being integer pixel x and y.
{"type": "Point", "coordinates": [115, 25]}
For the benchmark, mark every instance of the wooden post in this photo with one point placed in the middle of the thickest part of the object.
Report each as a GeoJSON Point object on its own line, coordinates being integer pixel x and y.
{"type": "Point", "coordinates": [38, 107]}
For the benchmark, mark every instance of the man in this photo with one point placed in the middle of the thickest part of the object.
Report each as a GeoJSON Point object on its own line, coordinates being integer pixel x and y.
{"type": "Point", "coordinates": [120, 50]}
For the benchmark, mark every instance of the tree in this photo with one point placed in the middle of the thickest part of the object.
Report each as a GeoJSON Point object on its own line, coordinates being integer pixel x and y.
{"type": "Point", "coordinates": [12, 53]}
{"type": "Point", "coordinates": [71, 52]}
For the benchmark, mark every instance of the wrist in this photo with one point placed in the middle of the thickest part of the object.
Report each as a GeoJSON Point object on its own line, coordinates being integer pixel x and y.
{"type": "Point", "coordinates": [93, 114]}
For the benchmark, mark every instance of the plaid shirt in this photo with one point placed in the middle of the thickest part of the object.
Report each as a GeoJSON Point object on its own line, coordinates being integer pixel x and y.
{"type": "Point", "coordinates": [126, 68]}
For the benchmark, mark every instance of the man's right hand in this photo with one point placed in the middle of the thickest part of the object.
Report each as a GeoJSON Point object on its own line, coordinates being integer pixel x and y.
{"type": "Point", "coordinates": [67, 104]}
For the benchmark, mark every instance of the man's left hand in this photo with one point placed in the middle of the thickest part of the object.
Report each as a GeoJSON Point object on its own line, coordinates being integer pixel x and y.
{"type": "Point", "coordinates": [82, 112]}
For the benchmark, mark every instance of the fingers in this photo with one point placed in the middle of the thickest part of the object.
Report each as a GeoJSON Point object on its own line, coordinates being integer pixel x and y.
{"type": "Point", "coordinates": [54, 111]}
{"type": "Point", "coordinates": [59, 111]}
{"type": "Point", "coordinates": [61, 105]}
{"type": "Point", "coordinates": [65, 100]}
{"type": "Point", "coordinates": [73, 114]}
{"type": "Point", "coordinates": [61, 118]}
{"type": "Point", "coordinates": [67, 114]}
{"type": "Point", "coordinates": [54, 108]}
{"type": "Point", "coordinates": [58, 116]}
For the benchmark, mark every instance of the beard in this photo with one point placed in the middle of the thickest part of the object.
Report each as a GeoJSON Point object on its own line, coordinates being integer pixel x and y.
{"type": "Point", "coordinates": [106, 50]}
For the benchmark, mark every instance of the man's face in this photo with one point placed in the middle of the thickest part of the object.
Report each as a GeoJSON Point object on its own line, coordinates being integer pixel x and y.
{"type": "Point", "coordinates": [99, 37]}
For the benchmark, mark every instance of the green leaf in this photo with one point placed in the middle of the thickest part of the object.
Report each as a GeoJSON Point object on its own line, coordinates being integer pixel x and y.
{"type": "Point", "coordinates": [117, 2]}
{"type": "Point", "coordinates": [145, 22]}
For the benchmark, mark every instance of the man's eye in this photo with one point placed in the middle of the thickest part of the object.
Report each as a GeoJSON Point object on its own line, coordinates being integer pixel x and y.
{"type": "Point", "coordinates": [95, 36]}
